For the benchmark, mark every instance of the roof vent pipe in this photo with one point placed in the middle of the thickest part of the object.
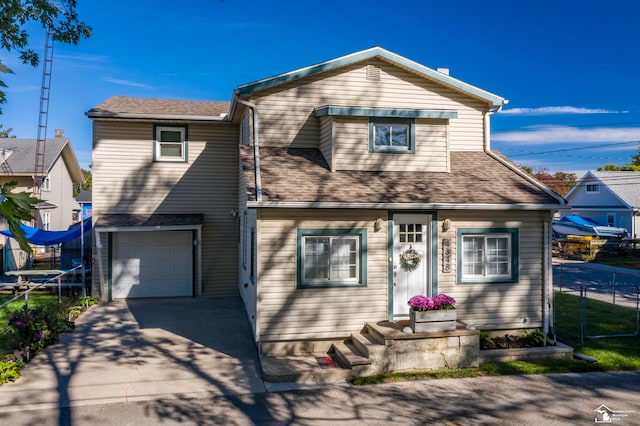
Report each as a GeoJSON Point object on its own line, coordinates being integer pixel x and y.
{"type": "Point", "coordinates": [256, 151]}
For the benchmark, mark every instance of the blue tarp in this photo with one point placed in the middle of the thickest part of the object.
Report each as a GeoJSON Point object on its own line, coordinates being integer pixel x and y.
{"type": "Point", "coordinates": [580, 220]}
{"type": "Point", "coordinates": [40, 237]}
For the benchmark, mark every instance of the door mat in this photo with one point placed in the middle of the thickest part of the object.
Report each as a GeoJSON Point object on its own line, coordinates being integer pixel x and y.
{"type": "Point", "coordinates": [326, 362]}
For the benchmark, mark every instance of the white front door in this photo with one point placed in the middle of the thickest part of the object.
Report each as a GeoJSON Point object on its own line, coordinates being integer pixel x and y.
{"type": "Point", "coordinates": [411, 241]}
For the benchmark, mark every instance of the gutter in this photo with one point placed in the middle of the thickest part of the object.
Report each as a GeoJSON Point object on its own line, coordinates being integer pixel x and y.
{"type": "Point", "coordinates": [116, 115]}
{"type": "Point", "coordinates": [398, 206]}
{"type": "Point", "coordinates": [256, 146]}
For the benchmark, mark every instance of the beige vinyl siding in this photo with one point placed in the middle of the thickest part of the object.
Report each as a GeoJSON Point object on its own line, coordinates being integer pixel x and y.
{"type": "Point", "coordinates": [327, 140]}
{"type": "Point", "coordinates": [289, 313]}
{"type": "Point", "coordinates": [127, 181]}
{"type": "Point", "coordinates": [498, 305]}
{"type": "Point", "coordinates": [352, 148]}
{"type": "Point", "coordinates": [286, 112]}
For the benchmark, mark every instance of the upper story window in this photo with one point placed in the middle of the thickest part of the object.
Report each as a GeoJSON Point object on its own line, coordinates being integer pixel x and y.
{"type": "Point", "coordinates": [170, 144]}
{"type": "Point", "coordinates": [592, 188]}
{"type": "Point", "coordinates": [392, 135]}
{"type": "Point", "coordinates": [46, 183]}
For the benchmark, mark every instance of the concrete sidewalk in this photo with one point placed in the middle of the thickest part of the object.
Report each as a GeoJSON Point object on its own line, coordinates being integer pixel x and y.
{"type": "Point", "coordinates": [143, 350]}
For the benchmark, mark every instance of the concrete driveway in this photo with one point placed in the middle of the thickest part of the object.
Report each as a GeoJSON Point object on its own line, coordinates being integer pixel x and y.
{"type": "Point", "coordinates": [142, 350]}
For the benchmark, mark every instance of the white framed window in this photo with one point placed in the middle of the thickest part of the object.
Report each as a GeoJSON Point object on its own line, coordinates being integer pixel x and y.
{"type": "Point", "coordinates": [170, 144]}
{"type": "Point", "coordinates": [488, 256]}
{"type": "Point", "coordinates": [331, 257]}
{"type": "Point", "coordinates": [46, 183]}
{"type": "Point", "coordinates": [391, 135]}
{"type": "Point", "coordinates": [46, 220]}
{"type": "Point", "coordinates": [592, 188]}
{"type": "Point", "coordinates": [611, 219]}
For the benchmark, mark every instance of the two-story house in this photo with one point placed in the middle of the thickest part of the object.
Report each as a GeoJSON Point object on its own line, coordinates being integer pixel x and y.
{"type": "Point", "coordinates": [306, 192]}
{"type": "Point", "coordinates": [62, 171]}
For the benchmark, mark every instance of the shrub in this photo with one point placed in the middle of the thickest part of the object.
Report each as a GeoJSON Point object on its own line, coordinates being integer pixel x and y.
{"type": "Point", "coordinates": [10, 371]}
{"type": "Point", "coordinates": [37, 327]}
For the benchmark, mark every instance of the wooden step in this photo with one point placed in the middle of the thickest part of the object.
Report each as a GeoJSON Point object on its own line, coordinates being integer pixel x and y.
{"type": "Point", "coordinates": [347, 355]}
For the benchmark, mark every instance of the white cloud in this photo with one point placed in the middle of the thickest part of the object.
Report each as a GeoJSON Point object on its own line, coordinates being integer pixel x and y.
{"type": "Point", "coordinates": [558, 110]}
{"type": "Point", "coordinates": [128, 83]}
{"type": "Point", "coordinates": [558, 134]}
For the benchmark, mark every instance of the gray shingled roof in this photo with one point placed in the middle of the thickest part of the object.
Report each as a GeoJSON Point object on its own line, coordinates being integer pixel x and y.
{"type": "Point", "coordinates": [302, 175]}
{"type": "Point", "coordinates": [625, 184]}
{"type": "Point", "coordinates": [18, 156]}
{"type": "Point", "coordinates": [131, 106]}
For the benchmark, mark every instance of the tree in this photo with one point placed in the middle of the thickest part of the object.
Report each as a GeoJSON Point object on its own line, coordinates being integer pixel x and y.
{"type": "Point", "coordinates": [559, 182]}
{"type": "Point", "coordinates": [16, 207]}
{"type": "Point", "coordinates": [60, 18]}
{"type": "Point", "coordinates": [6, 133]}
{"type": "Point", "coordinates": [88, 182]}
{"type": "Point", "coordinates": [632, 166]}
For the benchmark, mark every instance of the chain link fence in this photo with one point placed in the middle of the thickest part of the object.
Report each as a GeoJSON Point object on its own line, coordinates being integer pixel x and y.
{"type": "Point", "coordinates": [595, 304]}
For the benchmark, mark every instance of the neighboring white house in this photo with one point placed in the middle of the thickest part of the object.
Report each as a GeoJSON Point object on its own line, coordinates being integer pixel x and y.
{"type": "Point", "coordinates": [56, 211]}
{"type": "Point", "coordinates": [609, 198]}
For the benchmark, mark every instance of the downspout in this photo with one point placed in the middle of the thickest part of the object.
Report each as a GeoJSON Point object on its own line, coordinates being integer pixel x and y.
{"type": "Point", "coordinates": [256, 150]}
{"type": "Point", "coordinates": [547, 280]}
{"type": "Point", "coordinates": [487, 125]}
{"type": "Point", "coordinates": [99, 256]}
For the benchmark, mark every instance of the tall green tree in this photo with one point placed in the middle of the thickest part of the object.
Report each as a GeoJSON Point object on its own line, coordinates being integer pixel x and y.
{"type": "Point", "coordinates": [61, 19]}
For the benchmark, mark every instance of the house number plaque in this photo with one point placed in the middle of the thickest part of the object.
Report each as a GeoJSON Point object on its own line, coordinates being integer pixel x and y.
{"type": "Point", "coordinates": [446, 255]}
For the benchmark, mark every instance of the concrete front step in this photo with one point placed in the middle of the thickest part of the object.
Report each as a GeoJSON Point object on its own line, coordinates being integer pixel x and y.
{"type": "Point", "coordinates": [367, 344]}
{"type": "Point", "coordinates": [347, 355]}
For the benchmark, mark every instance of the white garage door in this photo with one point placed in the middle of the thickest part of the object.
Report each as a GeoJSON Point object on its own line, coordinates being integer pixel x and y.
{"type": "Point", "coordinates": [152, 264]}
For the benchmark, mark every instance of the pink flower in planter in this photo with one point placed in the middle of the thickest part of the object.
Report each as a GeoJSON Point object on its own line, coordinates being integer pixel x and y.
{"type": "Point", "coordinates": [424, 303]}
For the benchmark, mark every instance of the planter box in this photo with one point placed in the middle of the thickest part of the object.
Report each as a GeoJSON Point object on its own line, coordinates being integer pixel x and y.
{"type": "Point", "coordinates": [432, 321]}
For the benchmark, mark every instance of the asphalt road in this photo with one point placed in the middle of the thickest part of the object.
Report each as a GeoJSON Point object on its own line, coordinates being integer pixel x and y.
{"type": "Point", "coordinates": [556, 399]}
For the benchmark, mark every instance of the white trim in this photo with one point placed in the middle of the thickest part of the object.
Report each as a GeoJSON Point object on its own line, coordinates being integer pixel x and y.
{"type": "Point", "coordinates": [157, 152]}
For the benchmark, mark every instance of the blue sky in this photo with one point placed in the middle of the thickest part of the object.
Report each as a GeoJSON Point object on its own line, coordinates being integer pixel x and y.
{"type": "Point", "coordinates": [568, 68]}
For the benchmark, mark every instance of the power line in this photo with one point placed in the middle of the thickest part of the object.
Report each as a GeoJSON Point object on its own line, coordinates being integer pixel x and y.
{"type": "Point", "coordinates": [576, 148]}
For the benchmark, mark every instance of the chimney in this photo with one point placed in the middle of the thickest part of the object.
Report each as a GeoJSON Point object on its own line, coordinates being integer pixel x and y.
{"type": "Point", "coordinates": [444, 71]}
{"type": "Point", "coordinates": [59, 133]}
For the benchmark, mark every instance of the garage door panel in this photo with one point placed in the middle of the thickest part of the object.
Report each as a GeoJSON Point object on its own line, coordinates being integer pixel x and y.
{"type": "Point", "coordinates": [152, 264]}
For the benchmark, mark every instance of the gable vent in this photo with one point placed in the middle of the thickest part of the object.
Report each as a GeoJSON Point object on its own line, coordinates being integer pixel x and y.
{"type": "Point", "coordinates": [373, 73]}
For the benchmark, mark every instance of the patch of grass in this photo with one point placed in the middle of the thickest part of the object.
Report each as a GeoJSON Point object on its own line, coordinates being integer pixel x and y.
{"type": "Point", "coordinates": [544, 366]}
{"type": "Point", "coordinates": [631, 262]}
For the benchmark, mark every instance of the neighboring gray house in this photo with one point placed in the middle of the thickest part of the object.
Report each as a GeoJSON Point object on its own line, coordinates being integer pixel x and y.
{"type": "Point", "coordinates": [610, 198]}
{"type": "Point", "coordinates": [17, 163]}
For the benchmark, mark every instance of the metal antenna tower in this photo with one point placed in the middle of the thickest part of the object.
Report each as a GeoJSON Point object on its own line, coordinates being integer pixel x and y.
{"type": "Point", "coordinates": [47, 63]}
